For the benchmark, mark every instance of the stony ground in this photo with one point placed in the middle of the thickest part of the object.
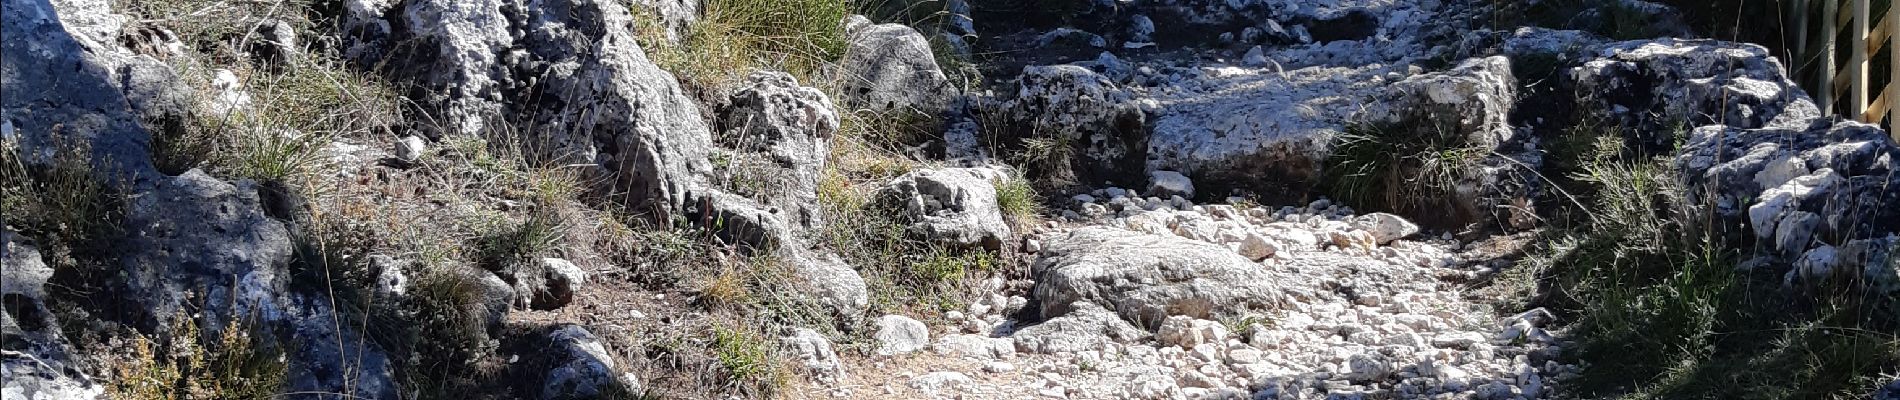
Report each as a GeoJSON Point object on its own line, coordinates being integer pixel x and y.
{"type": "Point", "coordinates": [1367, 314]}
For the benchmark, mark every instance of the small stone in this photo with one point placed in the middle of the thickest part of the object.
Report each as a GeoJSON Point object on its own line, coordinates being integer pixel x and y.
{"type": "Point", "coordinates": [897, 334]}
{"type": "Point", "coordinates": [998, 367]}
{"type": "Point", "coordinates": [938, 383]}
{"type": "Point", "coordinates": [1256, 247]}
{"type": "Point", "coordinates": [1166, 183]}
{"type": "Point", "coordinates": [563, 279]}
{"type": "Point", "coordinates": [1256, 57]}
{"type": "Point", "coordinates": [410, 149]}
{"type": "Point", "coordinates": [1188, 332]}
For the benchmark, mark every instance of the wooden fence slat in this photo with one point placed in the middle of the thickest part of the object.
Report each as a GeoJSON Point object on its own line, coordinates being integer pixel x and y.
{"type": "Point", "coordinates": [1878, 108]}
{"type": "Point", "coordinates": [1878, 38]}
{"type": "Point", "coordinates": [1843, 17]}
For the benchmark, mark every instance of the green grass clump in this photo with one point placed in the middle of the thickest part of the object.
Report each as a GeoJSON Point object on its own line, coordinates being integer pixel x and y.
{"type": "Point", "coordinates": [1408, 169]}
{"type": "Point", "coordinates": [68, 210]}
{"type": "Point", "coordinates": [539, 233]}
{"type": "Point", "coordinates": [1017, 198]}
{"type": "Point", "coordinates": [749, 360]}
{"type": "Point", "coordinates": [734, 37]}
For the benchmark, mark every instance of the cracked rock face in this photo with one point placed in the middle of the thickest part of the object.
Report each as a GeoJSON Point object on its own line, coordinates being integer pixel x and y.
{"type": "Point", "coordinates": [781, 135]}
{"type": "Point", "coordinates": [1803, 193]}
{"type": "Point", "coordinates": [1658, 88]}
{"type": "Point", "coordinates": [955, 206]}
{"type": "Point", "coordinates": [1147, 278]}
{"type": "Point", "coordinates": [891, 67]}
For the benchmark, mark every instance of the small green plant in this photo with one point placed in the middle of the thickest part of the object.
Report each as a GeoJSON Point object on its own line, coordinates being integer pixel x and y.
{"type": "Point", "coordinates": [1048, 155]}
{"type": "Point", "coordinates": [749, 360]}
{"type": "Point", "coordinates": [71, 212]}
{"type": "Point", "coordinates": [1018, 199]}
{"type": "Point", "coordinates": [234, 367]}
{"type": "Point", "coordinates": [539, 233]}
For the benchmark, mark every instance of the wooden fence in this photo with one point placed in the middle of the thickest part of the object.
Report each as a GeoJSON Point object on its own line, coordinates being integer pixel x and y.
{"type": "Point", "coordinates": [1843, 88]}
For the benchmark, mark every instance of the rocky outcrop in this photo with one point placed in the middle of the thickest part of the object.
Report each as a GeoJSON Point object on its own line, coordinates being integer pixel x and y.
{"type": "Point", "coordinates": [1472, 100]}
{"type": "Point", "coordinates": [36, 361]}
{"type": "Point", "coordinates": [1466, 109]}
{"type": "Point", "coordinates": [1659, 89]}
{"type": "Point", "coordinates": [891, 67]}
{"type": "Point", "coordinates": [1100, 125]}
{"type": "Point", "coordinates": [194, 235]}
{"type": "Point", "coordinates": [581, 368]}
{"type": "Point", "coordinates": [69, 83]}
{"type": "Point", "coordinates": [1146, 278]}
{"type": "Point", "coordinates": [953, 206]}
{"type": "Point", "coordinates": [573, 71]}
{"type": "Point", "coordinates": [780, 134]}
{"type": "Point", "coordinates": [207, 247]}
{"type": "Point", "coordinates": [1820, 197]}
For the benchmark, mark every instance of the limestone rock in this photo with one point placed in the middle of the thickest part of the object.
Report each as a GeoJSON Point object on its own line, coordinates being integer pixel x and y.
{"type": "Point", "coordinates": [891, 67]}
{"type": "Point", "coordinates": [1170, 183]}
{"type": "Point", "coordinates": [782, 132]}
{"type": "Point", "coordinates": [274, 44]}
{"type": "Point", "coordinates": [940, 384]}
{"type": "Point", "coordinates": [1147, 278]}
{"type": "Point", "coordinates": [974, 346]}
{"type": "Point", "coordinates": [814, 352]}
{"type": "Point", "coordinates": [1653, 88]}
{"type": "Point", "coordinates": [36, 361]}
{"type": "Point", "coordinates": [582, 367]}
{"type": "Point", "coordinates": [560, 279]}
{"type": "Point", "coordinates": [1188, 332]}
{"type": "Point", "coordinates": [897, 334]}
{"type": "Point", "coordinates": [675, 16]}
{"type": "Point", "coordinates": [1086, 327]}
{"type": "Point", "coordinates": [954, 206]}
{"type": "Point", "coordinates": [1385, 227]}
{"type": "Point", "coordinates": [1087, 111]}
{"type": "Point", "coordinates": [64, 86]}
{"type": "Point", "coordinates": [1797, 189]}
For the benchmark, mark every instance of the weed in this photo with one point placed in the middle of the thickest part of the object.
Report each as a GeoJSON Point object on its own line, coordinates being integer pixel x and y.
{"type": "Point", "coordinates": [441, 329]}
{"type": "Point", "coordinates": [1414, 170]}
{"type": "Point", "coordinates": [748, 358]}
{"type": "Point", "coordinates": [235, 367]}
{"type": "Point", "coordinates": [1017, 199]}
{"type": "Point", "coordinates": [729, 287]}
{"type": "Point", "coordinates": [61, 204]}
{"type": "Point", "coordinates": [539, 233]}
{"type": "Point", "coordinates": [733, 37]}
